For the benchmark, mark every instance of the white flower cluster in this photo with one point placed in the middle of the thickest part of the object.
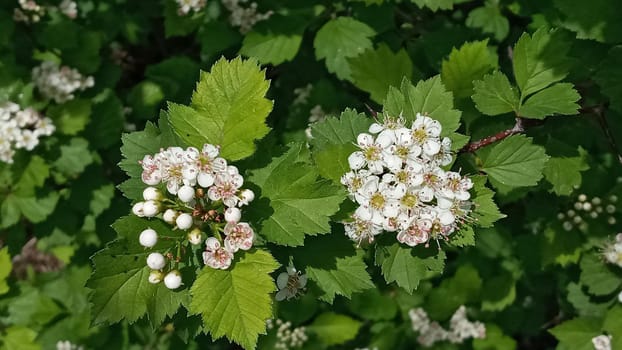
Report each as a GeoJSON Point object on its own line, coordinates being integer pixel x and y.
{"type": "Point", "coordinates": [244, 17]}
{"type": "Point", "coordinates": [291, 283]}
{"type": "Point", "coordinates": [204, 190]}
{"type": "Point", "coordinates": [28, 12]}
{"type": "Point", "coordinates": [187, 6]}
{"type": "Point", "coordinates": [399, 185]}
{"type": "Point", "coordinates": [460, 330]}
{"type": "Point", "coordinates": [586, 209]}
{"type": "Point", "coordinates": [59, 82]}
{"type": "Point", "coordinates": [20, 128]}
{"type": "Point", "coordinates": [287, 338]}
{"type": "Point", "coordinates": [316, 114]}
{"type": "Point", "coordinates": [602, 342]}
{"type": "Point", "coordinates": [67, 345]}
{"type": "Point", "coordinates": [613, 251]}
{"type": "Point", "coordinates": [302, 94]}
{"type": "Point", "coordinates": [68, 8]}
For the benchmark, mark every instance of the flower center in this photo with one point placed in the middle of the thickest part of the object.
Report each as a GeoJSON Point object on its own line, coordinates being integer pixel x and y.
{"type": "Point", "coordinates": [377, 200]}
{"type": "Point", "coordinates": [372, 153]}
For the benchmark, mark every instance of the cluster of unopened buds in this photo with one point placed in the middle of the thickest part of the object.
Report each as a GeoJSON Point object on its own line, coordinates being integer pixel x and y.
{"type": "Point", "coordinates": [431, 332]}
{"type": "Point", "coordinates": [586, 209]}
{"type": "Point", "coordinates": [602, 342]}
{"type": "Point", "coordinates": [244, 17]}
{"type": "Point", "coordinates": [291, 283]}
{"type": "Point", "coordinates": [29, 11]}
{"type": "Point", "coordinates": [203, 193]}
{"type": "Point", "coordinates": [59, 82]}
{"type": "Point", "coordinates": [399, 184]}
{"type": "Point", "coordinates": [287, 338]}
{"type": "Point", "coordinates": [20, 128]}
{"type": "Point", "coordinates": [184, 7]}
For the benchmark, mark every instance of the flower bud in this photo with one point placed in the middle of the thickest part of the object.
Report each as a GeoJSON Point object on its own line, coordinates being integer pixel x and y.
{"type": "Point", "coordinates": [184, 221]}
{"type": "Point", "coordinates": [148, 238]}
{"type": "Point", "coordinates": [246, 196]}
{"type": "Point", "coordinates": [137, 209]}
{"type": "Point", "coordinates": [233, 214]}
{"type": "Point", "coordinates": [194, 236]}
{"type": "Point", "coordinates": [152, 194]}
{"type": "Point", "coordinates": [169, 216]}
{"type": "Point", "coordinates": [186, 193]}
{"type": "Point", "coordinates": [205, 180]}
{"type": "Point", "coordinates": [156, 261]}
{"type": "Point", "coordinates": [151, 208]}
{"type": "Point", "coordinates": [155, 276]}
{"type": "Point", "coordinates": [172, 280]}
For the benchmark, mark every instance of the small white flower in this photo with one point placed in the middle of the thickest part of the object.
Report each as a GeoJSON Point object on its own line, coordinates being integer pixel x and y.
{"type": "Point", "coordinates": [148, 238]}
{"type": "Point", "coordinates": [216, 256]}
{"type": "Point", "coordinates": [290, 283]}
{"type": "Point", "coordinates": [602, 342]}
{"type": "Point", "coordinates": [246, 196]}
{"type": "Point", "coordinates": [238, 236]}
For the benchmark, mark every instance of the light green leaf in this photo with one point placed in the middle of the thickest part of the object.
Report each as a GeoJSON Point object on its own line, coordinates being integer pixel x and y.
{"type": "Point", "coordinates": [495, 95]}
{"type": "Point", "coordinates": [540, 60]}
{"type": "Point", "coordinates": [564, 173]}
{"type": "Point", "coordinates": [464, 65]}
{"type": "Point", "coordinates": [515, 162]}
{"type": "Point", "coordinates": [582, 302]}
{"type": "Point", "coordinates": [333, 329]}
{"type": "Point", "coordinates": [5, 269]}
{"type": "Point", "coordinates": [597, 276]}
{"type": "Point", "coordinates": [400, 265]}
{"type": "Point", "coordinates": [339, 39]}
{"type": "Point", "coordinates": [372, 305]}
{"type": "Point", "coordinates": [19, 338]}
{"type": "Point", "coordinates": [427, 97]}
{"type": "Point", "coordinates": [33, 177]}
{"type": "Point", "coordinates": [271, 48]}
{"type": "Point", "coordinates": [489, 19]}
{"type": "Point", "coordinates": [35, 209]}
{"type": "Point", "coordinates": [74, 157]}
{"type": "Point", "coordinates": [613, 325]}
{"type": "Point", "coordinates": [135, 146]}
{"type": "Point", "coordinates": [236, 303]}
{"type": "Point", "coordinates": [495, 339]}
{"type": "Point", "coordinates": [435, 5]}
{"type": "Point", "coordinates": [485, 211]}
{"type": "Point", "coordinates": [301, 202]}
{"type": "Point", "coordinates": [374, 71]}
{"type": "Point", "coordinates": [348, 276]}
{"type": "Point", "coordinates": [559, 98]}
{"type": "Point", "coordinates": [577, 333]}
{"type": "Point", "coordinates": [228, 109]}
{"type": "Point", "coordinates": [464, 237]}
{"type": "Point", "coordinates": [70, 117]}
{"type": "Point", "coordinates": [591, 19]}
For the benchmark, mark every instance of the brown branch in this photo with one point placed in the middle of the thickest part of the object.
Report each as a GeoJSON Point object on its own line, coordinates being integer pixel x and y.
{"type": "Point", "coordinates": [599, 112]}
{"type": "Point", "coordinates": [518, 128]}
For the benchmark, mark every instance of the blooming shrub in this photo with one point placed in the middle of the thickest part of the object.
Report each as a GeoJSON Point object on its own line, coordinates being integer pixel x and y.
{"type": "Point", "coordinates": [229, 174]}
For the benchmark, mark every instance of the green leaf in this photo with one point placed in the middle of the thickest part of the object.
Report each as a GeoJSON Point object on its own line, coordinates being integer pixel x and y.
{"type": "Point", "coordinates": [348, 276]}
{"type": "Point", "coordinates": [5, 269]}
{"type": "Point", "coordinates": [145, 98]}
{"type": "Point", "coordinates": [591, 20]}
{"type": "Point", "coordinates": [609, 77]}
{"type": "Point", "coordinates": [271, 48]}
{"type": "Point", "coordinates": [495, 339]}
{"type": "Point", "coordinates": [334, 329]}
{"type": "Point", "coordinates": [33, 177]}
{"type": "Point", "coordinates": [485, 211]}
{"type": "Point", "coordinates": [35, 209]}
{"type": "Point", "coordinates": [489, 19]}
{"type": "Point", "coordinates": [577, 333]}
{"type": "Point", "coordinates": [19, 338]}
{"type": "Point", "coordinates": [582, 302]}
{"type": "Point", "coordinates": [74, 157]}
{"type": "Point", "coordinates": [435, 5]}
{"type": "Point", "coordinates": [613, 326]}
{"type": "Point", "coordinates": [464, 287]}
{"type": "Point", "coordinates": [334, 140]}
{"type": "Point", "coordinates": [464, 237]}
{"type": "Point", "coordinates": [374, 71]}
{"type": "Point", "coordinates": [499, 292]}
{"type": "Point", "coordinates": [176, 75]}
{"type": "Point", "coordinates": [372, 305]}
{"type": "Point", "coordinates": [559, 98]}
{"type": "Point", "coordinates": [495, 95]}
{"type": "Point", "coordinates": [597, 276]}
{"type": "Point", "coordinates": [135, 146]}
{"type": "Point", "coordinates": [515, 162]}
{"type": "Point", "coordinates": [540, 60]}
{"type": "Point", "coordinates": [564, 173]}
{"type": "Point", "coordinates": [340, 39]}
{"type": "Point", "coordinates": [236, 303]}
{"type": "Point", "coordinates": [400, 265]}
{"type": "Point", "coordinates": [121, 289]}
{"type": "Point", "coordinates": [465, 65]}
{"type": "Point", "coordinates": [427, 97]}
{"type": "Point", "coordinates": [71, 117]}
{"type": "Point", "coordinates": [228, 109]}
{"type": "Point", "coordinates": [301, 201]}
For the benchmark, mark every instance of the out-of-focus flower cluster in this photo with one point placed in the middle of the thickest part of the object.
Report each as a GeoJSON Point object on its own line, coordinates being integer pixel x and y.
{"type": "Point", "coordinates": [244, 17]}
{"type": "Point", "coordinates": [29, 11]}
{"type": "Point", "coordinates": [67, 345]}
{"type": "Point", "coordinates": [291, 283]}
{"type": "Point", "coordinates": [613, 251]}
{"type": "Point", "coordinates": [431, 332]}
{"type": "Point", "coordinates": [20, 129]}
{"type": "Point", "coordinates": [59, 82]}
{"type": "Point", "coordinates": [202, 193]}
{"type": "Point", "coordinates": [287, 338]}
{"type": "Point", "coordinates": [587, 209]}
{"type": "Point", "coordinates": [399, 184]}
{"type": "Point", "coordinates": [184, 7]}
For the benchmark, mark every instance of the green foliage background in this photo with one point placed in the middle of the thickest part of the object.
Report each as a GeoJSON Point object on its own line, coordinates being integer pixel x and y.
{"type": "Point", "coordinates": [474, 65]}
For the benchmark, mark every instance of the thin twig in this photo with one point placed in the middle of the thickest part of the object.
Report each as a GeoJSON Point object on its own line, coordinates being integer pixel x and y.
{"type": "Point", "coordinates": [599, 112]}
{"type": "Point", "coordinates": [518, 128]}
